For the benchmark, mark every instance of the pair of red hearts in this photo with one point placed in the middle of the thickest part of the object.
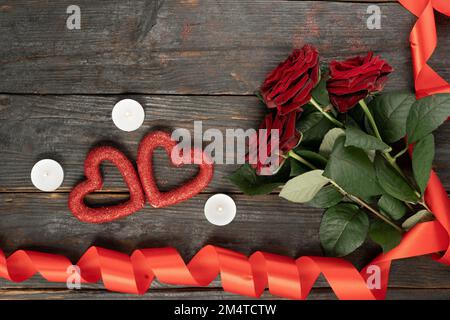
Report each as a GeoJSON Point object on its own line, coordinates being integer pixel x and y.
{"type": "Point", "coordinates": [137, 184]}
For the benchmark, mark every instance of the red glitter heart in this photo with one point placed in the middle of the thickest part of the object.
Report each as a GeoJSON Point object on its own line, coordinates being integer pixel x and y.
{"type": "Point", "coordinates": [156, 198]}
{"type": "Point", "coordinates": [94, 182]}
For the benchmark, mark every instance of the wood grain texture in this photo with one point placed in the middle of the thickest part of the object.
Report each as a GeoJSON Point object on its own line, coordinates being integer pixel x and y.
{"type": "Point", "coordinates": [66, 127]}
{"type": "Point", "coordinates": [271, 224]}
{"type": "Point", "coordinates": [44, 221]}
{"type": "Point", "coordinates": [419, 272]}
{"type": "Point", "coordinates": [186, 47]}
{"type": "Point", "coordinates": [443, 47]}
{"type": "Point", "coordinates": [198, 294]}
{"type": "Point", "coordinates": [171, 56]}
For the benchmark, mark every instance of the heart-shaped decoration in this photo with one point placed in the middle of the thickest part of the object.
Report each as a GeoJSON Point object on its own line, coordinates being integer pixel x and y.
{"type": "Point", "coordinates": [94, 182]}
{"type": "Point", "coordinates": [156, 198]}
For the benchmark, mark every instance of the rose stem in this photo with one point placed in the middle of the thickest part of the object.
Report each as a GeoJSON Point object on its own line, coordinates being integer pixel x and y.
{"type": "Point", "coordinates": [292, 154]}
{"type": "Point", "coordinates": [370, 117]}
{"type": "Point", "coordinates": [423, 204]}
{"type": "Point", "coordinates": [367, 206]}
{"type": "Point", "coordinates": [402, 152]}
{"type": "Point", "coordinates": [326, 114]}
{"type": "Point", "coordinates": [386, 154]}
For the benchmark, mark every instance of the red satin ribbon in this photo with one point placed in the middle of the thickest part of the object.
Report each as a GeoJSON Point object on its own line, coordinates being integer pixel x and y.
{"type": "Point", "coordinates": [284, 276]}
{"type": "Point", "coordinates": [423, 40]}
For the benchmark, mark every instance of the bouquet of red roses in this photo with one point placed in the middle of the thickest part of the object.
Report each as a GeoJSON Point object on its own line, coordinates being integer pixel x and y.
{"type": "Point", "coordinates": [343, 146]}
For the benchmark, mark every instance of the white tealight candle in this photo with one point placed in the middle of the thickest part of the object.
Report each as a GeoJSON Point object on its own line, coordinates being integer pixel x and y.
{"type": "Point", "coordinates": [47, 175]}
{"type": "Point", "coordinates": [128, 115]}
{"type": "Point", "coordinates": [220, 209]}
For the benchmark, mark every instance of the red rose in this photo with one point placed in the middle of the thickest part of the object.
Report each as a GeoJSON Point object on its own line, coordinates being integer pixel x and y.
{"type": "Point", "coordinates": [354, 79]}
{"type": "Point", "coordinates": [288, 86]}
{"type": "Point", "coordinates": [264, 155]}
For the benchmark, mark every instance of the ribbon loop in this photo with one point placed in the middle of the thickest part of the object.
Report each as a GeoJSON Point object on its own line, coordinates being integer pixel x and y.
{"type": "Point", "coordinates": [423, 40]}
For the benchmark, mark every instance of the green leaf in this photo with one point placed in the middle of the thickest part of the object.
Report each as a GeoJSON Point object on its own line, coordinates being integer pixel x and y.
{"type": "Point", "coordinates": [422, 160]}
{"type": "Point", "coordinates": [371, 154]}
{"type": "Point", "coordinates": [328, 141]}
{"type": "Point", "coordinates": [327, 197]}
{"type": "Point", "coordinates": [385, 235]}
{"type": "Point", "coordinates": [392, 207]}
{"type": "Point", "coordinates": [297, 168]}
{"type": "Point", "coordinates": [352, 170]}
{"type": "Point", "coordinates": [370, 200]}
{"type": "Point", "coordinates": [303, 188]}
{"type": "Point", "coordinates": [313, 127]}
{"type": "Point", "coordinates": [355, 117]}
{"type": "Point", "coordinates": [426, 115]}
{"type": "Point", "coordinates": [320, 93]}
{"type": "Point", "coordinates": [358, 138]}
{"type": "Point", "coordinates": [343, 229]}
{"type": "Point", "coordinates": [390, 111]}
{"type": "Point", "coordinates": [313, 157]}
{"type": "Point", "coordinates": [246, 179]}
{"type": "Point", "coordinates": [419, 217]}
{"type": "Point", "coordinates": [392, 182]}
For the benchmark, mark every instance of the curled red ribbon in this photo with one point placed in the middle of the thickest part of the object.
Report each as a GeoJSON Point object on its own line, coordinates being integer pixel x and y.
{"type": "Point", "coordinates": [423, 40]}
{"type": "Point", "coordinates": [284, 276]}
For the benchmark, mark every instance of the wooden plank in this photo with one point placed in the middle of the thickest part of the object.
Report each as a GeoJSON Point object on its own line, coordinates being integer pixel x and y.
{"type": "Point", "coordinates": [187, 47]}
{"type": "Point", "coordinates": [419, 272]}
{"type": "Point", "coordinates": [196, 294]}
{"type": "Point", "coordinates": [354, 1]}
{"type": "Point", "coordinates": [191, 294]}
{"type": "Point", "coordinates": [43, 222]}
{"type": "Point", "coordinates": [173, 47]}
{"type": "Point", "coordinates": [443, 47]}
{"type": "Point", "coordinates": [395, 294]}
{"type": "Point", "coordinates": [66, 127]}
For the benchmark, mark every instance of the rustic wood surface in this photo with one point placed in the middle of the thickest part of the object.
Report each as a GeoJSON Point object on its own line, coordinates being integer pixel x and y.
{"type": "Point", "coordinates": [184, 60]}
{"type": "Point", "coordinates": [185, 47]}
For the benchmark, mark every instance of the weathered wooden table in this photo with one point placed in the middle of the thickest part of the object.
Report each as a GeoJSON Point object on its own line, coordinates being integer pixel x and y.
{"type": "Point", "coordinates": [183, 60]}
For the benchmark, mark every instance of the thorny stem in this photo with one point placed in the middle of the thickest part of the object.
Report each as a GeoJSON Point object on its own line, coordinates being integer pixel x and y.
{"type": "Point", "coordinates": [326, 114]}
{"type": "Point", "coordinates": [367, 206]}
{"type": "Point", "coordinates": [386, 154]}
{"type": "Point", "coordinates": [292, 154]}
{"type": "Point", "coordinates": [391, 160]}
